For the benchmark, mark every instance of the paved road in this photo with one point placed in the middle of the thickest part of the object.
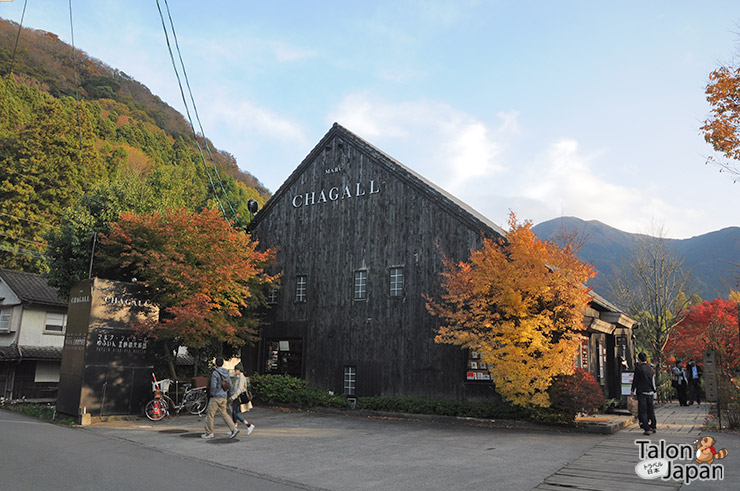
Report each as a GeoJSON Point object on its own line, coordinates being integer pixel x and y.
{"type": "Point", "coordinates": [610, 465]}
{"type": "Point", "coordinates": [337, 452]}
{"type": "Point", "coordinates": [38, 455]}
{"type": "Point", "coordinates": [329, 451]}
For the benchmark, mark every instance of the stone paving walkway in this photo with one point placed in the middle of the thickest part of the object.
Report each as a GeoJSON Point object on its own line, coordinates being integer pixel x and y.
{"type": "Point", "coordinates": [610, 465]}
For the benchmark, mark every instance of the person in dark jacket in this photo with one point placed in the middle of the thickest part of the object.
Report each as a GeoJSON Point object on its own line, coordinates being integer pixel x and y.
{"type": "Point", "coordinates": [694, 373]}
{"type": "Point", "coordinates": [218, 401]}
{"type": "Point", "coordinates": [643, 385]}
{"type": "Point", "coordinates": [680, 383]}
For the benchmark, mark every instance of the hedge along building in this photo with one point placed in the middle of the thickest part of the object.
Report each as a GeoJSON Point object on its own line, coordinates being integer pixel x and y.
{"type": "Point", "coordinates": [360, 240]}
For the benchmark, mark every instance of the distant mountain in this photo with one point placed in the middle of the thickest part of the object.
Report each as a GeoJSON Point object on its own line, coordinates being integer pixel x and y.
{"type": "Point", "coordinates": [713, 259]}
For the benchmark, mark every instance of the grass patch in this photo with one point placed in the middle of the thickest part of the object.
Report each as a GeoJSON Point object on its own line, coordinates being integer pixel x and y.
{"type": "Point", "coordinates": [44, 412]}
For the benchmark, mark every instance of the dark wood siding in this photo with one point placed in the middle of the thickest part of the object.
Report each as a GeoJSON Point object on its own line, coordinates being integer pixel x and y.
{"type": "Point", "coordinates": [405, 223]}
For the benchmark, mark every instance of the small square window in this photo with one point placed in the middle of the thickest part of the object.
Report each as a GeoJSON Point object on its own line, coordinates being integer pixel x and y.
{"type": "Point", "coordinates": [55, 322]}
{"type": "Point", "coordinates": [396, 282]}
{"type": "Point", "coordinates": [272, 296]}
{"type": "Point", "coordinates": [360, 285]}
{"type": "Point", "coordinates": [350, 380]}
{"type": "Point", "coordinates": [300, 288]}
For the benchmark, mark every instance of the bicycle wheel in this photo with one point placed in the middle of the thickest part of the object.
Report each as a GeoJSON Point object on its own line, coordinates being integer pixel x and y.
{"type": "Point", "coordinates": [195, 402]}
{"type": "Point", "coordinates": [156, 409]}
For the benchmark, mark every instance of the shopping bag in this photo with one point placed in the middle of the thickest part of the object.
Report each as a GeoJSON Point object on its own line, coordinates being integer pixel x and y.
{"type": "Point", "coordinates": [632, 405]}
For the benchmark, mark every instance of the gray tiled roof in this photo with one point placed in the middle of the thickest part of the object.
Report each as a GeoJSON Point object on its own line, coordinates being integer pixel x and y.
{"type": "Point", "coordinates": [31, 287]}
{"type": "Point", "coordinates": [9, 353]}
{"type": "Point", "coordinates": [14, 352]}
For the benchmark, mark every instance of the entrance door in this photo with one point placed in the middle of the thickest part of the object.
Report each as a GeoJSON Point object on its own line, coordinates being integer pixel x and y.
{"type": "Point", "coordinates": [284, 356]}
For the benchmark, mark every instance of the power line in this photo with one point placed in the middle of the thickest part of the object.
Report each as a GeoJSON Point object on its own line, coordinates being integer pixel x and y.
{"type": "Point", "coordinates": [28, 220]}
{"type": "Point", "coordinates": [17, 38]}
{"type": "Point", "coordinates": [197, 116]}
{"type": "Point", "coordinates": [77, 90]}
{"type": "Point", "coordinates": [187, 111]}
{"type": "Point", "coordinates": [24, 240]}
{"type": "Point", "coordinates": [18, 250]}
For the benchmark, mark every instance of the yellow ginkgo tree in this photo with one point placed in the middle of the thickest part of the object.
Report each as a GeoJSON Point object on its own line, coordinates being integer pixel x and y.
{"type": "Point", "coordinates": [519, 302]}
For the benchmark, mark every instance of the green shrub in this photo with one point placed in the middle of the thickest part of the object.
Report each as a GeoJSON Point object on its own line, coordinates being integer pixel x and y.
{"type": "Point", "coordinates": [284, 389]}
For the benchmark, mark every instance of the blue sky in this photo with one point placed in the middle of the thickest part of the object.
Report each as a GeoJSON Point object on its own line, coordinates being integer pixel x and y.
{"type": "Point", "coordinates": [569, 108]}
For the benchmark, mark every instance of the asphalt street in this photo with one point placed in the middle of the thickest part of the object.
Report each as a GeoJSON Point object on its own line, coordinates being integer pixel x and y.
{"type": "Point", "coordinates": [42, 456]}
{"type": "Point", "coordinates": [334, 451]}
{"type": "Point", "coordinates": [329, 451]}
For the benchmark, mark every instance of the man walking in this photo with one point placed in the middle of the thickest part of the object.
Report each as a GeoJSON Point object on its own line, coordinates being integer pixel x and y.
{"type": "Point", "coordinates": [218, 401]}
{"type": "Point", "coordinates": [680, 383]}
{"type": "Point", "coordinates": [643, 385]}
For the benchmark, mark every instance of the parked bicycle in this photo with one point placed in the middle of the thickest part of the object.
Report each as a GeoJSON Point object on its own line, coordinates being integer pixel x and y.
{"type": "Point", "coordinates": [194, 400]}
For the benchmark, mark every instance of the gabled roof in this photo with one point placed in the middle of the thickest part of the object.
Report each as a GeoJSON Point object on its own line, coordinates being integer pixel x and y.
{"type": "Point", "coordinates": [31, 288]}
{"type": "Point", "coordinates": [446, 200]}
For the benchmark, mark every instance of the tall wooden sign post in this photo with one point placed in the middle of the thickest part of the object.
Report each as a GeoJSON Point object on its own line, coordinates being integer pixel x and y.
{"type": "Point", "coordinates": [106, 366]}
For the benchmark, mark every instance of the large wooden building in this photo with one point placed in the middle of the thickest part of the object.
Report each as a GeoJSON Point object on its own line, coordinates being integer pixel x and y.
{"type": "Point", "coordinates": [360, 240]}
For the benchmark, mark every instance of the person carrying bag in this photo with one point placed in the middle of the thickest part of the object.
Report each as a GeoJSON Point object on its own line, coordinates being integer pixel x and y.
{"type": "Point", "coordinates": [241, 398]}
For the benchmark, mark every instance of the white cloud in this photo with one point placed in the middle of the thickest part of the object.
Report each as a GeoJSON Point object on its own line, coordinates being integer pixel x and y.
{"type": "Point", "coordinates": [564, 182]}
{"type": "Point", "coordinates": [246, 118]}
{"type": "Point", "coordinates": [451, 147]}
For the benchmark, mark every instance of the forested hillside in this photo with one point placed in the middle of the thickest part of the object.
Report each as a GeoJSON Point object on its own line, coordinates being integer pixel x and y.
{"type": "Point", "coordinates": [68, 168]}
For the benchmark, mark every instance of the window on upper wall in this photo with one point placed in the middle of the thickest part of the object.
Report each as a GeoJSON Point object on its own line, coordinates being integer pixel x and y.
{"type": "Point", "coordinates": [300, 288]}
{"type": "Point", "coordinates": [360, 285]}
{"type": "Point", "coordinates": [396, 282]}
{"type": "Point", "coordinates": [350, 380]}
{"type": "Point", "coordinates": [5, 320]}
{"type": "Point", "coordinates": [272, 296]}
{"type": "Point", "coordinates": [55, 323]}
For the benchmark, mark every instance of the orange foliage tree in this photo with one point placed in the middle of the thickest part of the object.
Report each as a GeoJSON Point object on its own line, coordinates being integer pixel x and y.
{"type": "Point", "coordinates": [519, 302]}
{"type": "Point", "coordinates": [207, 278]}
{"type": "Point", "coordinates": [708, 326]}
{"type": "Point", "coordinates": [721, 128]}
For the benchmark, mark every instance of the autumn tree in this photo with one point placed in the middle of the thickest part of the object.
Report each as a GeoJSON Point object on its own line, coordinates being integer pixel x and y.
{"type": "Point", "coordinates": [519, 302]}
{"type": "Point", "coordinates": [207, 278]}
{"type": "Point", "coordinates": [721, 128]}
{"type": "Point", "coordinates": [708, 326]}
{"type": "Point", "coordinates": [651, 287]}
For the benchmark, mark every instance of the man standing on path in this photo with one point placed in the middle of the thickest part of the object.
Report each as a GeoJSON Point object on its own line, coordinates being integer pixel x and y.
{"type": "Point", "coordinates": [642, 384]}
{"type": "Point", "coordinates": [218, 401]}
{"type": "Point", "coordinates": [694, 373]}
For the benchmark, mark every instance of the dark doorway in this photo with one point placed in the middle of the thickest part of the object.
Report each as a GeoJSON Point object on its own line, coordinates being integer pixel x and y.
{"type": "Point", "coordinates": [284, 356]}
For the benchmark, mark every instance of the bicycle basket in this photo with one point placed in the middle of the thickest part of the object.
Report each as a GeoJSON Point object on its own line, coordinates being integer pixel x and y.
{"type": "Point", "coordinates": [163, 385]}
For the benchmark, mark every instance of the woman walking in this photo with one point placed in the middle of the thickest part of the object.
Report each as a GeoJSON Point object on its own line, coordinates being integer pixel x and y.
{"type": "Point", "coordinates": [239, 387]}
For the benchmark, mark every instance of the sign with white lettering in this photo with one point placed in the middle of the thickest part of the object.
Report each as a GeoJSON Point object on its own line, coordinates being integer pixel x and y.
{"type": "Point", "coordinates": [106, 364]}
{"type": "Point", "coordinates": [335, 193]}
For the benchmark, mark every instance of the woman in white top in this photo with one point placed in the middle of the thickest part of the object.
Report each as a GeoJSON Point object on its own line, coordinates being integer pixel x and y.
{"type": "Point", "coordinates": [239, 387]}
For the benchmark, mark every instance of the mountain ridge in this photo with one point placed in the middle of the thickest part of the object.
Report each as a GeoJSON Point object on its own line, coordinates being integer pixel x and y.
{"type": "Point", "coordinates": [713, 258]}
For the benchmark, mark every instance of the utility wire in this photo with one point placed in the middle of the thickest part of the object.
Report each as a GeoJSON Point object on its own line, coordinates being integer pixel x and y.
{"type": "Point", "coordinates": [18, 250]}
{"type": "Point", "coordinates": [197, 116]}
{"type": "Point", "coordinates": [24, 240]}
{"type": "Point", "coordinates": [17, 37]}
{"type": "Point", "coordinates": [77, 91]}
{"type": "Point", "coordinates": [28, 220]}
{"type": "Point", "coordinates": [187, 110]}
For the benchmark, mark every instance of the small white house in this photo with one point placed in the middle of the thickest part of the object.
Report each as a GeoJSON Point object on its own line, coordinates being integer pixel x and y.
{"type": "Point", "coordinates": [33, 320]}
